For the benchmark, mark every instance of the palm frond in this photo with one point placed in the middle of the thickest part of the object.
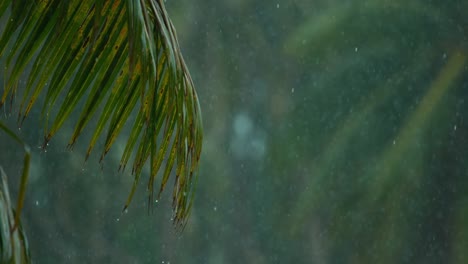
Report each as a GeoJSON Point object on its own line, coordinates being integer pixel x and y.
{"type": "Point", "coordinates": [120, 57]}
{"type": "Point", "coordinates": [13, 242]}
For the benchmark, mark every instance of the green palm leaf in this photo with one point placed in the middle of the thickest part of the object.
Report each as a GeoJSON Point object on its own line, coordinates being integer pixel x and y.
{"type": "Point", "coordinates": [122, 59]}
{"type": "Point", "coordinates": [13, 240]}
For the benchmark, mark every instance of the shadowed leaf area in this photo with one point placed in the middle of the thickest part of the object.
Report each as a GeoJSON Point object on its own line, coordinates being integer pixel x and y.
{"type": "Point", "coordinates": [121, 63]}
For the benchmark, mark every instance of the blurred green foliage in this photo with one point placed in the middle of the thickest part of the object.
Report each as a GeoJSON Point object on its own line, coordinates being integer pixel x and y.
{"type": "Point", "coordinates": [335, 132]}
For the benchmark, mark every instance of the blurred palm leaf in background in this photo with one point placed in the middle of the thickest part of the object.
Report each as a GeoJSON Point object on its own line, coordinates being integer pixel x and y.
{"type": "Point", "coordinates": [387, 86]}
{"type": "Point", "coordinates": [120, 62]}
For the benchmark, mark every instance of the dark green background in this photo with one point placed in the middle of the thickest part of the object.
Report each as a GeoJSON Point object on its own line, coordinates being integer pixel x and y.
{"type": "Point", "coordinates": [335, 132]}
